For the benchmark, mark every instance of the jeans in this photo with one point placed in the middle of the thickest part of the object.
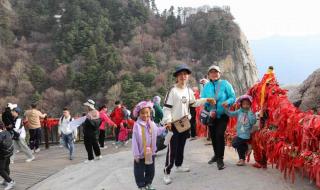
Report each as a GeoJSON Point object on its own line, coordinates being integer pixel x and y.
{"type": "Point", "coordinates": [68, 143]}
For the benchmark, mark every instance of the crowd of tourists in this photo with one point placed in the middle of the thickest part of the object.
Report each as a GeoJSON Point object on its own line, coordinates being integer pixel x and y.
{"type": "Point", "coordinates": [153, 127]}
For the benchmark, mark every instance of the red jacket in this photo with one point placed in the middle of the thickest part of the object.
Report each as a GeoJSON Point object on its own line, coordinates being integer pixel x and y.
{"type": "Point", "coordinates": [105, 120]}
{"type": "Point", "coordinates": [117, 115]}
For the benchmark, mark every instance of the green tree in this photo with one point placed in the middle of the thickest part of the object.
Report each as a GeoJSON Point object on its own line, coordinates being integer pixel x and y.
{"type": "Point", "coordinates": [38, 78]}
{"type": "Point", "coordinates": [149, 60]}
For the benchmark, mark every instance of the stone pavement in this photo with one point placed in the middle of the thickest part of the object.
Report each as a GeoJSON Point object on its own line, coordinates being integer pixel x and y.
{"type": "Point", "coordinates": [115, 172]}
{"type": "Point", "coordinates": [50, 161]}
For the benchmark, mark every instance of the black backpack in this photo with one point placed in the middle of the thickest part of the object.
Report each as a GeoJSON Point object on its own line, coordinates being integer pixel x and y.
{"type": "Point", "coordinates": [62, 117]}
{"type": "Point", "coordinates": [6, 144]}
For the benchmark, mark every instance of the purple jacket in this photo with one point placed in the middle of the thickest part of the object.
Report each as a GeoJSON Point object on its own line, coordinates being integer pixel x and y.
{"type": "Point", "coordinates": [137, 144]}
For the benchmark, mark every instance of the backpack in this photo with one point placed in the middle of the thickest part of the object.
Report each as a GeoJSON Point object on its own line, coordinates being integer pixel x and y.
{"type": "Point", "coordinates": [6, 144]}
{"type": "Point", "coordinates": [61, 118]}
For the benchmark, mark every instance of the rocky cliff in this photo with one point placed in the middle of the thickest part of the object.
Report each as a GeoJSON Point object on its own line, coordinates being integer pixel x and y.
{"type": "Point", "coordinates": [240, 68]}
{"type": "Point", "coordinates": [58, 53]}
{"type": "Point", "coordinates": [307, 95]}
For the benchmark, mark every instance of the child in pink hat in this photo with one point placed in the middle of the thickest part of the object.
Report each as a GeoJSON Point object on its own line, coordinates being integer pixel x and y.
{"type": "Point", "coordinates": [144, 148]}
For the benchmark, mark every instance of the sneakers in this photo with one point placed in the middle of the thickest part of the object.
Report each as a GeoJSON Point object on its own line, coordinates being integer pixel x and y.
{"type": "Point", "coordinates": [30, 159]}
{"type": "Point", "coordinates": [37, 150]}
{"type": "Point", "coordinates": [10, 185]}
{"type": "Point", "coordinates": [4, 183]}
{"type": "Point", "coordinates": [213, 160]}
{"type": "Point", "coordinates": [182, 169]}
{"type": "Point", "coordinates": [192, 138]}
{"type": "Point", "coordinates": [88, 161]}
{"type": "Point", "coordinates": [167, 180]}
{"type": "Point", "coordinates": [241, 163]}
{"type": "Point", "coordinates": [149, 187]}
{"type": "Point", "coordinates": [99, 157]}
{"type": "Point", "coordinates": [220, 164]}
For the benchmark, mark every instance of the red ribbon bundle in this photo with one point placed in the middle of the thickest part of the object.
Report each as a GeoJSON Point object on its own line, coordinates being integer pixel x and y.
{"type": "Point", "coordinates": [288, 138]}
{"type": "Point", "coordinates": [50, 122]}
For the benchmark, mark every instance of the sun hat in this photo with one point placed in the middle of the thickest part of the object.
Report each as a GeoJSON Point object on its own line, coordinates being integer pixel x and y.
{"type": "Point", "coordinates": [90, 103]}
{"type": "Point", "coordinates": [180, 68]}
{"type": "Point", "coordinates": [215, 67]}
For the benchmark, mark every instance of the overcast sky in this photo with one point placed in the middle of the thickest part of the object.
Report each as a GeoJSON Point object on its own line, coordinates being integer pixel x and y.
{"type": "Point", "coordinates": [260, 19]}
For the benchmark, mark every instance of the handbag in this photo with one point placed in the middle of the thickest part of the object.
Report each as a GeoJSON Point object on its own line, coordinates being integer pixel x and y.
{"type": "Point", "coordinates": [182, 124]}
{"type": "Point", "coordinates": [204, 117]}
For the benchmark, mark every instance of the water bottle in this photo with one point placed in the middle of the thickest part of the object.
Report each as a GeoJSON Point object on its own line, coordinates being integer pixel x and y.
{"type": "Point", "coordinates": [148, 159]}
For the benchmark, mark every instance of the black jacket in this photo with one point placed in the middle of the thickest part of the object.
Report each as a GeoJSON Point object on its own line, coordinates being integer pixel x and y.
{"type": "Point", "coordinates": [90, 127]}
{"type": "Point", "coordinates": [7, 117]}
{"type": "Point", "coordinates": [6, 144]}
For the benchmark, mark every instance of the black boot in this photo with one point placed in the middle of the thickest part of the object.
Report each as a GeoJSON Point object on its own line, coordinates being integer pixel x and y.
{"type": "Point", "coordinates": [220, 164]}
{"type": "Point", "coordinates": [213, 160]}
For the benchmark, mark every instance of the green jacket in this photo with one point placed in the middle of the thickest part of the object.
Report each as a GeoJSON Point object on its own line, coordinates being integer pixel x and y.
{"type": "Point", "coordinates": [158, 113]}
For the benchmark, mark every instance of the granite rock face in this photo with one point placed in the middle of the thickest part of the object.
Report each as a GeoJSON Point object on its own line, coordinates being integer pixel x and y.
{"type": "Point", "coordinates": [307, 95]}
{"type": "Point", "coordinates": [240, 68]}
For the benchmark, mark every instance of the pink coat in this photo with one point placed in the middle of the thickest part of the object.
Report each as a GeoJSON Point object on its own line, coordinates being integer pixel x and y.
{"type": "Point", "coordinates": [123, 135]}
{"type": "Point", "coordinates": [105, 120]}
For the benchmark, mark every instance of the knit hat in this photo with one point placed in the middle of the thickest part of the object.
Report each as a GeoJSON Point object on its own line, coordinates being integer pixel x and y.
{"type": "Point", "coordinates": [244, 97]}
{"type": "Point", "coordinates": [140, 106]}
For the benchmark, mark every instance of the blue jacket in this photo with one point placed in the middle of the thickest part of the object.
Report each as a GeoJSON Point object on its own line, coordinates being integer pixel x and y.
{"type": "Point", "coordinates": [245, 122]}
{"type": "Point", "coordinates": [225, 94]}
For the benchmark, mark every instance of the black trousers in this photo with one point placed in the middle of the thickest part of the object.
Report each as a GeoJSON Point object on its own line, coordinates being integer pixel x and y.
{"type": "Point", "coordinates": [91, 144]}
{"type": "Point", "coordinates": [143, 173]}
{"type": "Point", "coordinates": [217, 129]}
{"type": "Point", "coordinates": [117, 131]}
{"type": "Point", "coordinates": [4, 169]}
{"type": "Point", "coordinates": [193, 121]}
{"type": "Point", "coordinates": [176, 149]}
{"type": "Point", "coordinates": [241, 146]}
{"type": "Point", "coordinates": [102, 135]}
{"type": "Point", "coordinates": [35, 138]}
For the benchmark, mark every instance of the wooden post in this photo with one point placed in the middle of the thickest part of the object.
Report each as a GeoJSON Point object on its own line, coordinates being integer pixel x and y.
{"type": "Point", "coordinates": [46, 133]}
